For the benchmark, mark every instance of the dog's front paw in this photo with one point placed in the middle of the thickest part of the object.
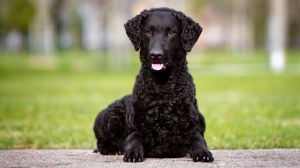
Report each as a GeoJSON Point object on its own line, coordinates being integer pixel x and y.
{"type": "Point", "coordinates": [134, 154]}
{"type": "Point", "coordinates": [202, 155]}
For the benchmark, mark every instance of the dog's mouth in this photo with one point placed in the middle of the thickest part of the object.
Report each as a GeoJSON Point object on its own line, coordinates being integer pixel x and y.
{"type": "Point", "coordinates": [158, 66]}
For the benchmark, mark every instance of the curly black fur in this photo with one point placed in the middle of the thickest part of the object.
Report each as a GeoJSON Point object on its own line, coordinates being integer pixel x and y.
{"type": "Point", "coordinates": [161, 117]}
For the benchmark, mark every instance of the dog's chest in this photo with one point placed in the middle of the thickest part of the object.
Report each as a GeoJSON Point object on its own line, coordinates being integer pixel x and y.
{"type": "Point", "coordinates": [164, 122]}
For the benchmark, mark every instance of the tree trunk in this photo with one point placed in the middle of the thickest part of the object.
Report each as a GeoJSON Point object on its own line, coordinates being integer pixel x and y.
{"type": "Point", "coordinates": [277, 34]}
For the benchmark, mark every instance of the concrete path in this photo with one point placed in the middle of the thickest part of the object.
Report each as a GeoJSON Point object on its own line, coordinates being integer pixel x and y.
{"type": "Point", "coordinates": [85, 158]}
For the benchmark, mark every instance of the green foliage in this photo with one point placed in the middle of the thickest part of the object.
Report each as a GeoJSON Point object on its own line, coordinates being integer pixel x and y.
{"type": "Point", "coordinates": [52, 102]}
{"type": "Point", "coordinates": [16, 14]}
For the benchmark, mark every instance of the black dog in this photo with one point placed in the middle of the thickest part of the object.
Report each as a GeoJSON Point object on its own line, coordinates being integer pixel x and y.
{"type": "Point", "coordinates": [160, 118]}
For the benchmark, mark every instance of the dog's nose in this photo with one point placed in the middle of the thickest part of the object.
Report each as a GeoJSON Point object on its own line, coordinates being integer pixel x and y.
{"type": "Point", "coordinates": [158, 57]}
{"type": "Point", "coordinates": [156, 54]}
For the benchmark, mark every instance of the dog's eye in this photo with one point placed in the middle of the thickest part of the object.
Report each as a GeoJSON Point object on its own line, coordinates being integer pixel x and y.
{"type": "Point", "coordinates": [171, 32]}
{"type": "Point", "coordinates": [149, 32]}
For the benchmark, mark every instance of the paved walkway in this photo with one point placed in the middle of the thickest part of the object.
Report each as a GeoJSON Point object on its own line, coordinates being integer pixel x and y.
{"type": "Point", "coordinates": [85, 158]}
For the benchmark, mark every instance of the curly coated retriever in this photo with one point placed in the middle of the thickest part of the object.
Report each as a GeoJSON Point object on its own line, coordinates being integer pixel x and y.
{"type": "Point", "coordinates": [160, 118]}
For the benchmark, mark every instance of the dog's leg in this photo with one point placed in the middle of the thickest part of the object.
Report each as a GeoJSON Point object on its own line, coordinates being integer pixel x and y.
{"type": "Point", "coordinates": [199, 151]}
{"type": "Point", "coordinates": [133, 150]}
{"type": "Point", "coordinates": [109, 128]}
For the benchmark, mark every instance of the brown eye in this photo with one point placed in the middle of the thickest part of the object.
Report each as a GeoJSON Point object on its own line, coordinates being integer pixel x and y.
{"type": "Point", "coordinates": [149, 32]}
{"type": "Point", "coordinates": [171, 32]}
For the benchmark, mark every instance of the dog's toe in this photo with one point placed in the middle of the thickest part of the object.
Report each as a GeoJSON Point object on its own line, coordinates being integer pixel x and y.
{"type": "Point", "coordinates": [202, 155]}
{"type": "Point", "coordinates": [134, 154]}
{"type": "Point", "coordinates": [96, 150]}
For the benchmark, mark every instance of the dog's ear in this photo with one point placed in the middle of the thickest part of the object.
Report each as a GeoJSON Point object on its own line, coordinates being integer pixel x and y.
{"type": "Point", "coordinates": [133, 29]}
{"type": "Point", "coordinates": [190, 31]}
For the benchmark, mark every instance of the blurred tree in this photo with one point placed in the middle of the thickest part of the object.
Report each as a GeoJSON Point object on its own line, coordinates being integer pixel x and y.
{"type": "Point", "coordinates": [294, 23]}
{"type": "Point", "coordinates": [255, 11]}
{"type": "Point", "coordinates": [277, 34]}
{"type": "Point", "coordinates": [41, 30]}
{"type": "Point", "coordinates": [258, 12]}
{"type": "Point", "coordinates": [16, 15]}
{"type": "Point", "coordinates": [60, 15]}
{"type": "Point", "coordinates": [258, 15]}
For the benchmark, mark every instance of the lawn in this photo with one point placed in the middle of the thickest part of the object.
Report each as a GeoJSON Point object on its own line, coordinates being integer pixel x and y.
{"type": "Point", "coordinates": [52, 102]}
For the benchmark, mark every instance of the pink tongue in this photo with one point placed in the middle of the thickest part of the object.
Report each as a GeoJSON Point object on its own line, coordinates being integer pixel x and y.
{"type": "Point", "coordinates": [157, 67]}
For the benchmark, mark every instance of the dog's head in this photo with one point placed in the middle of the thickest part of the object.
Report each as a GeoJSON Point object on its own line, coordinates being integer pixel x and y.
{"type": "Point", "coordinates": [162, 32]}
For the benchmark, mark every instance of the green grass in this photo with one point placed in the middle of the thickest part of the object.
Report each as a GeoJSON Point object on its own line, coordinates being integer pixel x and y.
{"type": "Point", "coordinates": [52, 103]}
